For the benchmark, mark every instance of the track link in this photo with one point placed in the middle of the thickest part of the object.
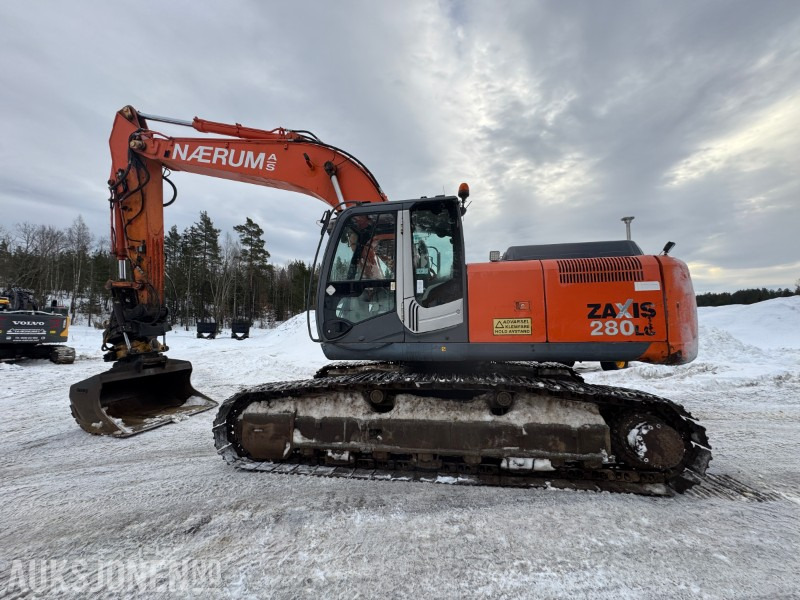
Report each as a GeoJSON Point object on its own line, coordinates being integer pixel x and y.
{"type": "Point", "coordinates": [620, 473]}
{"type": "Point", "coordinates": [62, 355]}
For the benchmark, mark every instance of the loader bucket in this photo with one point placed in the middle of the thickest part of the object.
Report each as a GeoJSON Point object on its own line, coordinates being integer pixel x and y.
{"type": "Point", "coordinates": [134, 397]}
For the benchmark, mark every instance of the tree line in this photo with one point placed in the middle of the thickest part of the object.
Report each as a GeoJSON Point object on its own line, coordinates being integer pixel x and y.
{"type": "Point", "coordinates": [749, 296]}
{"type": "Point", "coordinates": [208, 278]}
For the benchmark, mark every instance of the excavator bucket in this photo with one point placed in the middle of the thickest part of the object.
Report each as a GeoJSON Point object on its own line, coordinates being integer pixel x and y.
{"type": "Point", "coordinates": [134, 397]}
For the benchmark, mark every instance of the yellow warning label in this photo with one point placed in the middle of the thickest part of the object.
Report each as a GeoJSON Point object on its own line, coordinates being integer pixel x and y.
{"type": "Point", "coordinates": [512, 326]}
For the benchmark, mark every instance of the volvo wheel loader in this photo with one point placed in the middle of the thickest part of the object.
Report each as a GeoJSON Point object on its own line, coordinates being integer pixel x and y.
{"type": "Point", "coordinates": [445, 371]}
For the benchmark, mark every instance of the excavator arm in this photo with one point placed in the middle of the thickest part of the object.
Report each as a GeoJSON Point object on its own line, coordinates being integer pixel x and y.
{"type": "Point", "coordinates": [279, 158]}
{"type": "Point", "coordinates": [145, 389]}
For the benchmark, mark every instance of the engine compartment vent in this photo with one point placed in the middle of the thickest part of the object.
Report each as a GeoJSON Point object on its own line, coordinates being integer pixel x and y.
{"type": "Point", "coordinates": [600, 270]}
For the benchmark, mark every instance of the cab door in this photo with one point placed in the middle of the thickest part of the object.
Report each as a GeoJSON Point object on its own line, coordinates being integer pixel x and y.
{"type": "Point", "coordinates": [432, 263]}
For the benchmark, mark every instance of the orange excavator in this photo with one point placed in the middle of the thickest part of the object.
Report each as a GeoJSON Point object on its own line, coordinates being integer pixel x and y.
{"type": "Point", "coordinates": [447, 371]}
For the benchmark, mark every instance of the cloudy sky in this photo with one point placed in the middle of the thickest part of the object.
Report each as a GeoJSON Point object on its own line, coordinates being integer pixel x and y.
{"type": "Point", "coordinates": [562, 116]}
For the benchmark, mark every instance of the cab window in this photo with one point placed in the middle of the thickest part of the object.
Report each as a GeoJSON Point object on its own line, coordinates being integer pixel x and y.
{"type": "Point", "coordinates": [361, 282]}
{"type": "Point", "coordinates": [436, 253]}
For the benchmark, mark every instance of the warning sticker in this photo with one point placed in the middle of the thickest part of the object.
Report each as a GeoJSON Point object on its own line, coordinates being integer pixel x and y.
{"type": "Point", "coordinates": [512, 326]}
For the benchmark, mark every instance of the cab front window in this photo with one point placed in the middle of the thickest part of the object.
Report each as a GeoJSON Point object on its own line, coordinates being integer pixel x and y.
{"type": "Point", "coordinates": [361, 282]}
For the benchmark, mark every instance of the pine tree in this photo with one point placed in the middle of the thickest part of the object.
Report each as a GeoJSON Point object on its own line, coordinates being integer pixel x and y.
{"type": "Point", "coordinates": [254, 257]}
{"type": "Point", "coordinates": [208, 265]}
{"type": "Point", "coordinates": [174, 275]}
{"type": "Point", "coordinates": [223, 283]}
{"type": "Point", "coordinates": [190, 259]}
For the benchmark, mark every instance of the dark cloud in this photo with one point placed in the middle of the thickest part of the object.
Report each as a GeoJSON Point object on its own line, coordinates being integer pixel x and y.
{"type": "Point", "coordinates": [616, 105]}
{"type": "Point", "coordinates": [563, 117]}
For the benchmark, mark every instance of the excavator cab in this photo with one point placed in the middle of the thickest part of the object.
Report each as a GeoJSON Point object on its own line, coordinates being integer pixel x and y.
{"type": "Point", "coordinates": [394, 280]}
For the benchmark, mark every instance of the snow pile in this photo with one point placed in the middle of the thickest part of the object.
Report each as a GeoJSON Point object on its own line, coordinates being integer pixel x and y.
{"type": "Point", "coordinates": [769, 324]}
{"type": "Point", "coordinates": [740, 346]}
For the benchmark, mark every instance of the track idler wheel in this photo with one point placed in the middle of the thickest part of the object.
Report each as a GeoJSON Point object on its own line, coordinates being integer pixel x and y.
{"type": "Point", "coordinates": [647, 442]}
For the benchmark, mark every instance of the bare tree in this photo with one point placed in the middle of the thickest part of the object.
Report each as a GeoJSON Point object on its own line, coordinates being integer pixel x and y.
{"type": "Point", "coordinates": [223, 281]}
{"type": "Point", "coordinates": [79, 240]}
{"type": "Point", "coordinates": [38, 250]}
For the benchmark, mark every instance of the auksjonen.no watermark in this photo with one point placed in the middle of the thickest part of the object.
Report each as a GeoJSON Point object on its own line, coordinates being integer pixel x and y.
{"type": "Point", "coordinates": [46, 575]}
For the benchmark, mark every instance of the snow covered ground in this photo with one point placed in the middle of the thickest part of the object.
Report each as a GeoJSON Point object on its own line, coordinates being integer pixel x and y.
{"type": "Point", "coordinates": [161, 515]}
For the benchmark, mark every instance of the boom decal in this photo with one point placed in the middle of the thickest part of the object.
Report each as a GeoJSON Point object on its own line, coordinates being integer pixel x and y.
{"type": "Point", "coordinates": [226, 157]}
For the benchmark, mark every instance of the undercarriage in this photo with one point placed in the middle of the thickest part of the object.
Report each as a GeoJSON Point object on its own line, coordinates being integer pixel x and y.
{"type": "Point", "coordinates": [504, 424]}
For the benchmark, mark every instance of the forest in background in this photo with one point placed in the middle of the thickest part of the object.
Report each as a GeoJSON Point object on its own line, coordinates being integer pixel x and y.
{"type": "Point", "coordinates": [209, 277]}
{"type": "Point", "coordinates": [748, 296]}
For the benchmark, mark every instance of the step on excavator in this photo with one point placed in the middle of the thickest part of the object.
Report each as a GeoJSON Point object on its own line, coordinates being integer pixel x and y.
{"type": "Point", "coordinates": [443, 371]}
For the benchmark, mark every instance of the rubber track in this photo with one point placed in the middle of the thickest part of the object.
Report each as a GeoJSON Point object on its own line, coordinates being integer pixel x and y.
{"type": "Point", "coordinates": [609, 399]}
